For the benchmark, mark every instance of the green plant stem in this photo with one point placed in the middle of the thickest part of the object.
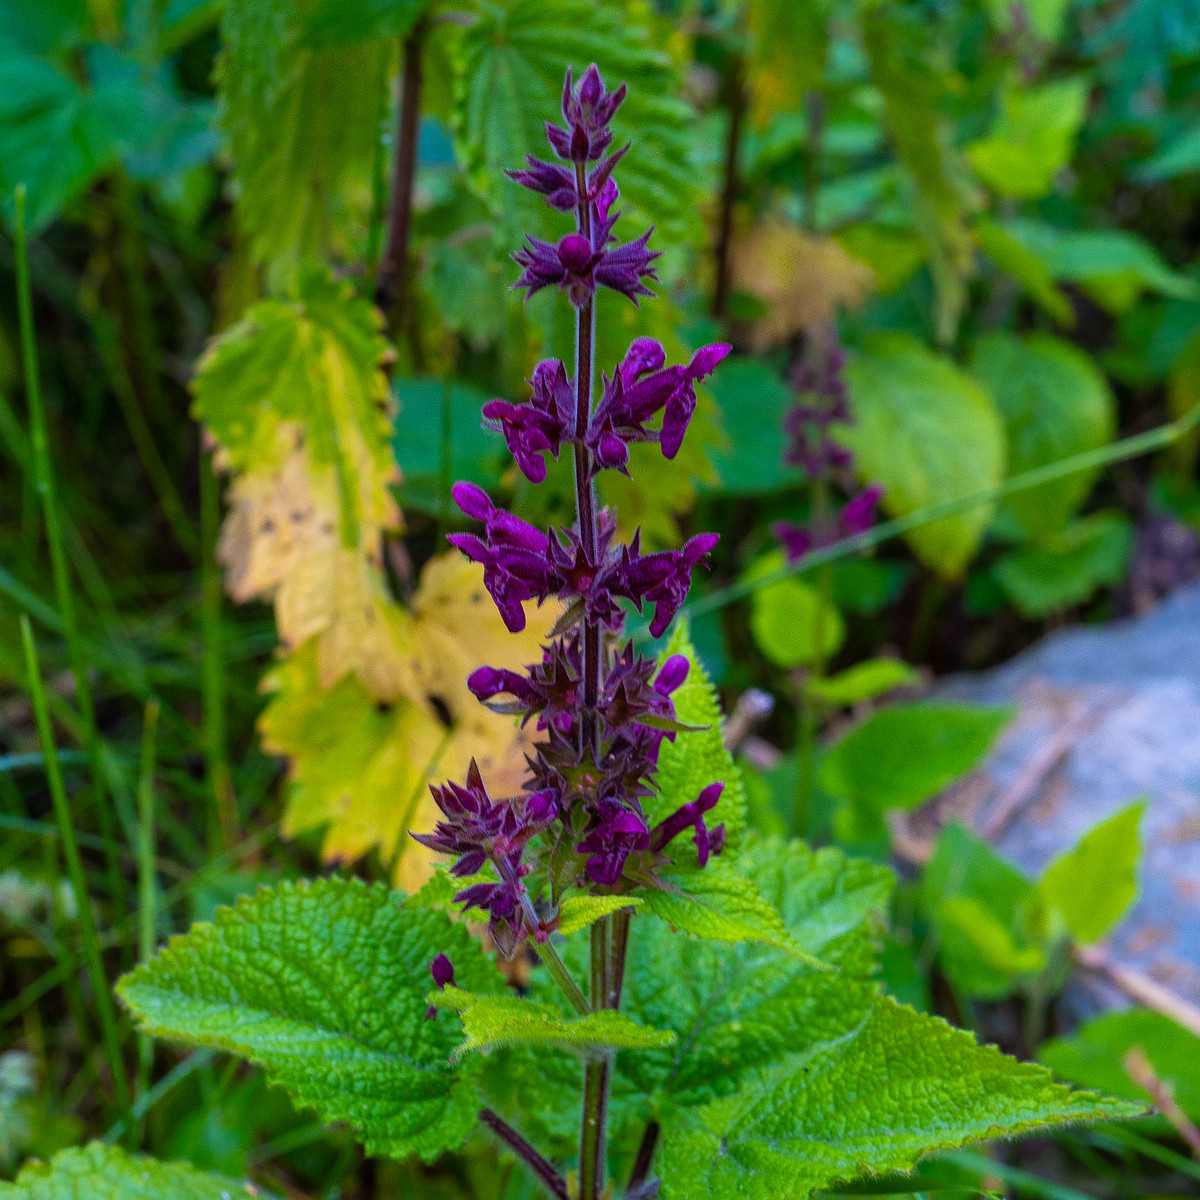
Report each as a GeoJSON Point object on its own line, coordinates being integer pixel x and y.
{"type": "Point", "coordinates": [223, 824]}
{"type": "Point", "coordinates": [147, 904]}
{"type": "Point", "coordinates": [56, 543]}
{"type": "Point", "coordinates": [66, 830]}
{"type": "Point", "coordinates": [563, 977]}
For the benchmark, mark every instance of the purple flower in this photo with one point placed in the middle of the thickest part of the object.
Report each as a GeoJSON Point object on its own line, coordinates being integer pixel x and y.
{"type": "Point", "coordinates": [550, 689]}
{"type": "Point", "coordinates": [663, 578]}
{"type": "Point", "coordinates": [577, 266]}
{"type": "Point", "coordinates": [610, 843]}
{"type": "Point", "coordinates": [542, 424]}
{"type": "Point", "coordinates": [558, 184]}
{"type": "Point", "coordinates": [857, 516]}
{"type": "Point", "coordinates": [502, 902]}
{"type": "Point", "coordinates": [693, 814]}
{"type": "Point", "coordinates": [586, 112]}
{"type": "Point", "coordinates": [442, 971]}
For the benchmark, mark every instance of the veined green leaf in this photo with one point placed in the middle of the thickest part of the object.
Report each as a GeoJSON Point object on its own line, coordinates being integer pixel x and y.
{"type": "Point", "coordinates": [325, 984]}
{"type": "Point", "coordinates": [927, 432]}
{"type": "Point", "coordinates": [1094, 882]}
{"type": "Point", "coordinates": [692, 761]}
{"type": "Point", "coordinates": [879, 1098]}
{"type": "Point", "coordinates": [578, 912]}
{"type": "Point", "coordinates": [101, 1172]}
{"type": "Point", "coordinates": [491, 1021]}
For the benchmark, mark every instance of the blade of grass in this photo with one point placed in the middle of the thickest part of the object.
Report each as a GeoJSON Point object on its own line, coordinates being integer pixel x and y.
{"type": "Point", "coordinates": [147, 884]}
{"type": "Point", "coordinates": [44, 474]}
{"type": "Point", "coordinates": [194, 1062]}
{"type": "Point", "coordinates": [223, 824]}
{"type": "Point", "coordinates": [66, 828]}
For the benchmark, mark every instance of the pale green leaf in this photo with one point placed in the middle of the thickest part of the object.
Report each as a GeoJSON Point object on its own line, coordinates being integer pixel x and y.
{"type": "Point", "coordinates": [1033, 138]}
{"type": "Point", "coordinates": [982, 955]}
{"type": "Point", "coordinates": [894, 254]}
{"type": "Point", "coordinates": [324, 984]}
{"type": "Point", "coordinates": [303, 127]}
{"type": "Point", "coordinates": [790, 624]}
{"type": "Point", "coordinates": [1068, 566]}
{"type": "Point", "coordinates": [101, 1172]}
{"type": "Point", "coordinates": [719, 904]}
{"type": "Point", "coordinates": [689, 763]}
{"type": "Point", "coordinates": [578, 912]}
{"type": "Point", "coordinates": [1093, 883]}
{"type": "Point", "coordinates": [900, 1086]}
{"type": "Point", "coordinates": [1094, 1055]}
{"type": "Point", "coordinates": [863, 681]}
{"type": "Point", "coordinates": [491, 1021]}
{"type": "Point", "coordinates": [1055, 403]}
{"type": "Point", "coordinates": [903, 755]}
{"type": "Point", "coordinates": [927, 432]}
{"type": "Point", "coordinates": [1014, 258]}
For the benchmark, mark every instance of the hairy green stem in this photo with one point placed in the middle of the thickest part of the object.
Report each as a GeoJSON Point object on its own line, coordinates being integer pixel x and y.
{"type": "Point", "coordinates": [66, 831]}
{"type": "Point", "coordinates": [64, 593]}
{"type": "Point", "coordinates": [563, 977]}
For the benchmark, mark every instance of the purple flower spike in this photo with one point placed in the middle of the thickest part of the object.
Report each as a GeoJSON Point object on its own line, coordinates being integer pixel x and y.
{"type": "Point", "coordinates": [577, 266]}
{"type": "Point", "coordinates": [611, 843]}
{"type": "Point", "coordinates": [859, 515]}
{"type": "Point", "coordinates": [442, 971]}
{"type": "Point", "coordinates": [663, 578]}
{"type": "Point", "coordinates": [692, 814]}
{"type": "Point", "coordinates": [539, 426]}
{"type": "Point", "coordinates": [587, 111]}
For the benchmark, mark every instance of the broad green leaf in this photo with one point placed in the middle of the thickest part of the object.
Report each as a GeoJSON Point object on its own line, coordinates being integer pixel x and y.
{"type": "Point", "coordinates": [303, 127]}
{"type": "Point", "coordinates": [349, 22]}
{"type": "Point", "coordinates": [324, 984]}
{"type": "Point", "coordinates": [491, 1021]}
{"type": "Point", "coordinates": [513, 58]}
{"type": "Point", "coordinates": [689, 763]}
{"type": "Point", "coordinates": [1094, 882]}
{"type": "Point", "coordinates": [753, 400]}
{"type": "Point", "coordinates": [928, 433]}
{"type": "Point", "coordinates": [1094, 1055]}
{"type": "Point", "coordinates": [1055, 403]}
{"type": "Point", "coordinates": [721, 905]}
{"type": "Point", "coordinates": [1033, 138]}
{"type": "Point", "coordinates": [902, 756]}
{"type": "Point", "coordinates": [578, 912]}
{"type": "Point", "coordinates": [53, 137]}
{"type": "Point", "coordinates": [101, 1172]}
{"type": "Point", "coordinates": [1180, 156]}
{"type": "Point", "coordinates": [1016, 259]}
{"type": "Point", "coordinates": [981, 955]}
{"type": "Point", "coordinates": [863, 681]}
{"type": "Point", "coordinates": [1068, 566]}
{"type": "Point", "coordinates": [432, 419]}
{"type": "Point", "coordinates": [899, 1087]}
{"type": "Point", "coordinates": [790, 624]}
{"type": "Point", "coordinates": [1114, 266]}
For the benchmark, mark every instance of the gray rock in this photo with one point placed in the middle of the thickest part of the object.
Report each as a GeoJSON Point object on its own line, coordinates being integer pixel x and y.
{"type": "Point", "coordinates": [1122, 701]}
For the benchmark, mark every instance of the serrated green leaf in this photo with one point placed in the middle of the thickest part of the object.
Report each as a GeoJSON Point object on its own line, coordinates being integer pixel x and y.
{"type": "Point", "coordinates": [1033, 138]}
{"type": "Point", "coordinates": [1067, 567]}
{"type": "Point", "coordinates": [578, 912]}
{"type": "Point", "coordinates": [790, 624]}
{"type": "Point", "coordinates": [101, 1172]}
{"type": "Point", "coordinates": [324, 984]}
{"type": "Point", "coordinates": [1094, 1055]}
{"type": "Point", "coordinates": [927, 432]}
{"type": "Point", "coordinates": [491, 1021]}
{"type": "Point", "coordinates": [1054, 403]}
{"type": "Point", "coordinates": [720, 905]}
{"type": "Point", "coordinates": [863, 681]}
{"type": "Point", "coordinates": [878, 1099]}
{"type": "Point", "coordinates": [692, 761]}
{"type": "Point", "coordinates": [303, 127]}
{"type": "Point", "coordinates": [1094, 882]}
{"type": "Point", "coordinates": [441, 888]}
{"type": "Point", "coordinates": [902, 755]}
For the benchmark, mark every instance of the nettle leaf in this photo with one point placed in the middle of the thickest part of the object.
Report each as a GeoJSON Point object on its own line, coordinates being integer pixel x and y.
{"type": "Point", "coordinates": [303, 125]}
{"type": "Point", "coordinates": [491, 1021]}
{"type": "Point", "coordinates": [687, 765]}
{"type": "Point", "coordinates": [721, 905]}
{"type": "Point", "coordinates": [101, 1172]}
{"type": "Point", "coordinates": [928, 433]}
{"type": "Point", "coordinates": [1033, 138]}
{"type": "Point", "coordinates": [348, 22]}
{"type": "Point", "coordinates": [1094, 882]}
{"type": "Point", "coordinates": [902, 755]}
{"type": "Point", "coordinates": [1054, 403]}
{"type": "Point", "coordinates": [511, 80]}
{"type": "Point", "coordinates": [324, 984]}
{"type": "Point", "coordinates": [898, 1087]}
{"type": "Point", "coordinates": [578, 912]}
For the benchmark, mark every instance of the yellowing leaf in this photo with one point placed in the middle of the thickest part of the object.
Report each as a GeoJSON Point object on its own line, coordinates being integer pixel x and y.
{"type": "Point", "coordinates": [801, 279]}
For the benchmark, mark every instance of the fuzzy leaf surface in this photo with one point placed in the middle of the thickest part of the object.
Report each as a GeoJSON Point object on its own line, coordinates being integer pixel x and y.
{"type": "Point", "coordinates": [324, 984]}
{"type": "Point", "coordinates": [491, 1021]}
{"type": "Point", "coordinates": [101, 1172]}
{"type": "Point", "coordinates": [578, 912]}
{"type": "Point", "coordinates": [877, 1099]}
